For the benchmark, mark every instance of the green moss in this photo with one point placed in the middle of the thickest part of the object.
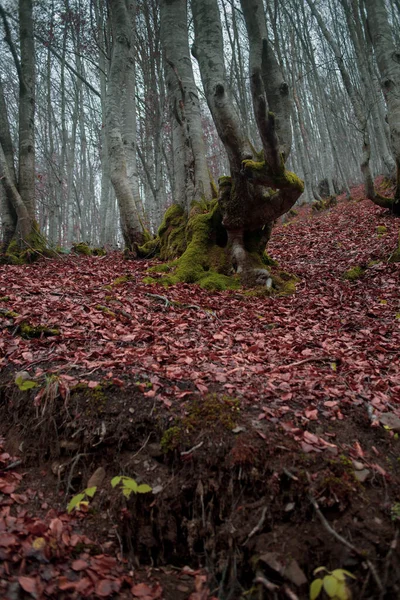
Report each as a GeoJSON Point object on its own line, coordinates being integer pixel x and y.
{"type": "Point", "coordinates": [381, 229]}
{"type": "Point", "coordinates": [354, 273]}
{"type": "Point", "coordinates": [164, 268]}
{"type": "Point", "coordinates": [150, 248]}
{"type": "Point", "coordinates": [82, 248]}
{"type": "Point", "coordinates": [4, 298]}
{"type": "Point", "coordinates": [150, 280]}
{"type": "Point", "coordinates": [33, 331]}
{"type": "Point", "coordinates": [29, 250]}
{"type": "Point", "coordinates": [123, 279]}
{"type": "Point", "coordinates": [268, 261]}
{"type": "Point", "coordinates": [105, 310]}
{"type": "Point", "coordinates": [99, 252]}
{"type": "Point", "coordinates": [212, 411]}
{"type": "Point", "coordinates": [225, 180]}
{"type": "Point", "coordinates": [395, 256]}
{"type": "Point", "coordinates": [217, 282]}
{"type": "Point", "coordinates": [203, 259]}
{"type": "Point", "coordinates": [170, 439]}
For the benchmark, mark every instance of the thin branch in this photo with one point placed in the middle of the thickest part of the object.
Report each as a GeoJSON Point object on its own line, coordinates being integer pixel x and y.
{"type": "Point", "coordinates": [9, 41]}
{"type": "Point", "coordinates": [348, 544]}
{"type": "Point", "coordinates": [41, 39]}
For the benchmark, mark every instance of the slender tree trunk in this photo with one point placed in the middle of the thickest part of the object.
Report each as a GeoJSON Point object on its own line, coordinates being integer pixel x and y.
{"type": "Point", "coordinates": [26, 178]}
{"type": "Point", "coordinates": [388, 59]}
{"type": "Point", "coordinates": [191, 175]}
{"type": "Point", "coordinates": [132, 229]}
{"type": "Point", "coordinates": [9, 216]}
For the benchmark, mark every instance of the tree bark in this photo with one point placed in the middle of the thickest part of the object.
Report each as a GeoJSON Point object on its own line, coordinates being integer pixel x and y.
{"type": "Point", "coordinates": [191, 177]}
{"type": "Point", "coordinates": [132, 229]}
{"type": "Point", "coordinates": [388, 59]}
{"type": "Point", "coordinates": [259, 188]}
{"type": "Point", "coordinates": [26, 178]}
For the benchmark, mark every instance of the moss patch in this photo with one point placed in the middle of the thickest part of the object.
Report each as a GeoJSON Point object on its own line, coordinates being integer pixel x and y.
{"type": "Point", "coordinates": [354, 273]}
{"type": "Point", "coordinates": [30, 250]}
{"type": "Point", "coordinates": [203, 261]}
{"type": "Point", "coordinates": [82, 248]}
{"type": "Point", "coordinates": [324, 204]}
{"type": "Point", "coordinates": [211, 413]}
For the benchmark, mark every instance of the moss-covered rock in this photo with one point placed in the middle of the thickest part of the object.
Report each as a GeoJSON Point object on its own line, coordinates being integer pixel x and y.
{"type": "Point", "coordinates": [324, 204]}
{"type": "Point", "coordinates": [82, 248]}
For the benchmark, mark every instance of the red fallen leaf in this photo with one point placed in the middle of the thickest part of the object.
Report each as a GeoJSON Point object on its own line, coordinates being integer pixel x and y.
{"type": "Point", "coordinates": [93, 384]}
{"type": "Point", "coordinates": [308, 448]}
{"type": "Point", "coordinates": [4, 457]}
{"type": "Point", "coordinates": [84, 585]}
{"type": "Point", "coordinates": [105, 587]}
{"type": "Point", "coordinates": [379, 470]}
{"type": "Point", "coordinates": [358, 450]}
{"type": "Point", "coordinates": [28, 584]}
{"type": "Point", "coordinates": [312, 414]}
{"type": "Point", "coordinates": [79, 565]}
{"type": "Point", "coordinates": [140, 590]}
{"type": "Point", "coordinates": [75, 539]}
{"type": "Point", "coordinates": [65, 585]}
{"type": "Point", "coordinates": [118, 382]}
{"type": "Point", "coordinates": [202, 388]}
{"type": "Point", "coordinates": [311, 438]}
{"type": "Point", "coordinates": [56, 527]}
{"type": "Point", "coordinates": [19, 498]}
{"type": "Point", "coordinates": [8, 539]}
{"type": "Point", "coordinates": [7, 488]}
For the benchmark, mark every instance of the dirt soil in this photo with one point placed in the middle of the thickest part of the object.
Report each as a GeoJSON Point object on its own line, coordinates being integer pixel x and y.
{"type": "Point", "coordinates": [260, 424]}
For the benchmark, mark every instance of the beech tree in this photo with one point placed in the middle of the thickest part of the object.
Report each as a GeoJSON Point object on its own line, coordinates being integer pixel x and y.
{"type": "Point", "coordinates": [121, 135]}
{"type": "Point", "coordinates": [388, 60]}
{"type": "Point", "coordinates": [191, 176]}
{"type": "Point", "coordinates": [259, 188]}
{"type": "Point", "coordinates": [18, 192]}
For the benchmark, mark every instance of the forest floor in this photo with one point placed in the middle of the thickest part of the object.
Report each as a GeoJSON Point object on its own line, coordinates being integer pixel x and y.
{"type": "Point", "coordinates": [267, 427]}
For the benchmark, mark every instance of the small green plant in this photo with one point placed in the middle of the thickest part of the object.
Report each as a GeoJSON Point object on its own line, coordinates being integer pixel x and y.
{"type": "Point", "coordinates": [25, 384]}
{"type": "Point", "coordinates": [81, 499]}
{"type": "Point", "coordinates": [395, 512]}
{"type": "Point", "coordinates": [129, 485]}
{"type": "Point", "coordinates": [333, 583]}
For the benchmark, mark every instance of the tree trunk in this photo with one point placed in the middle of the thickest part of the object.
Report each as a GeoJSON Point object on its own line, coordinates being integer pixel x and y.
{"type": "Point", "coordinates": [191, 177]}
{"type": "Point", "coordinates": [132, 229]}
{"type": "Point", "coordinates": [388, 59]}
{"type": "Point", "coordinates": [26, 178]}
{"type": "Point", "coordinates": [9, 216]}
{"type": "Point", "coordinates": [259, 188]}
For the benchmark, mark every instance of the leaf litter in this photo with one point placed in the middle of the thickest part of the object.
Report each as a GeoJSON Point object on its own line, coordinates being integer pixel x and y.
{"type": "Point", "coordinates": [305, 366]}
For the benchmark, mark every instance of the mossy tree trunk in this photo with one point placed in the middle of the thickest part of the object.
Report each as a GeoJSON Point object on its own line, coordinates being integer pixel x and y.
{"type": "Point", "coordinates": [259, 188]}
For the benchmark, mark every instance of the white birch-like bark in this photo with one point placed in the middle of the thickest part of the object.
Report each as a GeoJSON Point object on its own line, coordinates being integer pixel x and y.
{"type": "Point", "coordinates": [132, 230]}
{"type": "Point", "coordinates": [388, 59]}
{"type": "Point", "coordinates": [8, 214]}
{"type": "Point", "coordinates": [191, 177]}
